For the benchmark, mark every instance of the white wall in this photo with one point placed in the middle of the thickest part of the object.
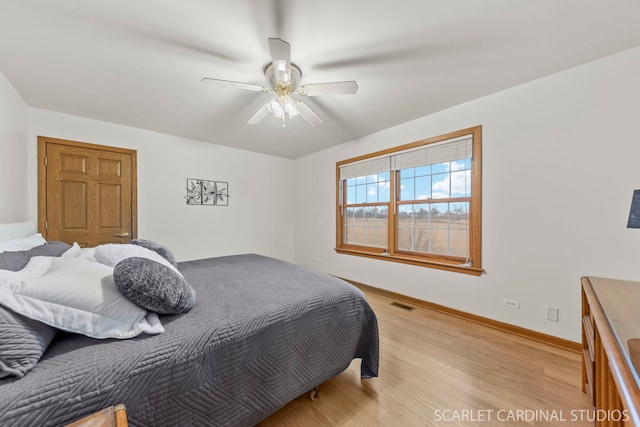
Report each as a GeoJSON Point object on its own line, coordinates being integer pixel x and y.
{"type": "Point", "coordinates": [259, 218]}
{"type": "Point", "coordinates": [561, 157]}
{"type": "Point", "coordinates": [13, 153]}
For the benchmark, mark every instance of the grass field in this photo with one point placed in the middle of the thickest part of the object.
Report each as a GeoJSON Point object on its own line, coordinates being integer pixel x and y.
{"type": "Point", "coordinates": [440, 236]}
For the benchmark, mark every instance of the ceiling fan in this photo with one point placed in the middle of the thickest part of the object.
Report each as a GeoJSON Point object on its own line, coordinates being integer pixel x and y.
{"type": "Point", "coordinates": [283, 79]}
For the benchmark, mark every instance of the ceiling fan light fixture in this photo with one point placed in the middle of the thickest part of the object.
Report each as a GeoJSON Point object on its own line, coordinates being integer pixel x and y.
{"type": "Point", "coordinates": [281, 106]}
{"type": "Point", "coordinates": [281, 71]}
{"type": "Point", "coordinates": [275, 108]}
{"type": "Point", "coordinates": [290, 107]}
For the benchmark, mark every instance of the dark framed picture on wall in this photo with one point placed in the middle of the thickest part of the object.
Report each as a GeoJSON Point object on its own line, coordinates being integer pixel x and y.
{"type": "Point", "coordinates": [222, 193]}
{"type": "Point", "coordinates": [206, 192]}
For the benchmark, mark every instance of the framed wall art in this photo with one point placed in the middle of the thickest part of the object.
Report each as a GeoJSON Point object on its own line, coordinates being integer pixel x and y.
{"type": "Point", "coordinates": [207, 192]}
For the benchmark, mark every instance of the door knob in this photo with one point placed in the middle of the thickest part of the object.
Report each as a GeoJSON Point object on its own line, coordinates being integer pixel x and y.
{"type": "Point", "coordinates": [125, 234]}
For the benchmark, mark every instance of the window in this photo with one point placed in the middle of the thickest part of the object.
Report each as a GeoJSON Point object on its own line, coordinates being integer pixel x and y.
{"type": "Point", "coordinates": [419, 203]}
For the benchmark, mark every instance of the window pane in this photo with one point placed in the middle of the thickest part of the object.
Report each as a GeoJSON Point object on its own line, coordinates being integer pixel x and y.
{"type": "Point", "coordinates": [353, 220]}
{"type": "Point", "coordinates": [384, 187]}
{"type": "Point", "coordinates": [423, 188]}
{"type": "Point", "coordinates": [460, 183]}
{"type": "Point", "coordinates": [353, 215]}
{"type": "Point", "coordinates": [439, 212]}
{"type": "Point", "coordinates": [366, 226]}
{"type": "Point", "coordinates": [381, 212]}
{"type": "Point", "coordinates": [372, 193]}
{"type": "Point", "coordinates": [351, 194]}
{"type": "Point", "coordinates": [353, 235]}
{"type": "Point", "coordinates": [369, 189]}
{"type": "Point", "coordinates": [440, 168]}
{"type": "Point", "coordinates": [458, 243]}
{"type": "Point", "coordinates": [459, 211]}
{"type": "Point", "coordinates": [404, 210]}
{"type": "Point", "coordinates": [421, 239]}
{"type": "Point", "coordinates": [459, 165]}
{"type": "Point", "coordinates": [384, 191]}
{"type": "Point", "coordinates": [404, 238]}
{"type": "Point", "coordinates": [436, 228]}
{"type": "Point", "coordinates": [407, 173]}
{"type": "Point", "coordinates": [453, 179]}
{"type": "Point", "coordinates": [423, 170]}
{"type": "Point", "coordinates": [361, 193]}
{"type": "Point", "coordinates": [407, 189]}
{"type": "Point", "coordinates": [440, 187]}
{"type": "Point", "coordinates": [412, 233]}
{"type": "Point", "coordinates": [439, 229]}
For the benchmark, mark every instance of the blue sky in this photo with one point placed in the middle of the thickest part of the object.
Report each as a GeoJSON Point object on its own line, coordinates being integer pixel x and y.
{"type": "Point", "coordinates": [444, 180]}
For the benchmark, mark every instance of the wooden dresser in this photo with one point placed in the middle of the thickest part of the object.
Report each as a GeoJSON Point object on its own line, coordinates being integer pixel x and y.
{"type": "Point", "coordinates": [611, 349]}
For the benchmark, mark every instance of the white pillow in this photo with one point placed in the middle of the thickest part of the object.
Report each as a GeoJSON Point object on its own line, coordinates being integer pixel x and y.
{"type": "Point", "coordinates": [88, 254]}
{"type": "Point", "coordinates": [111, 254]}
{"type": "Point", "coordinates": [81, 253]}
{"type": "Point", "coordinates": [16, 230]}
{"type": "Point", "coordinates": [74, 251]}
{"type": "Point", "coordinates": [22, 244]}
{"type": "Point", "coordinates": [75, 295]}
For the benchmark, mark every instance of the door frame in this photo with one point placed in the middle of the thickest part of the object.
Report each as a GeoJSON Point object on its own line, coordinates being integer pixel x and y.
{"type": "Point", "coordinates": [42, 178]}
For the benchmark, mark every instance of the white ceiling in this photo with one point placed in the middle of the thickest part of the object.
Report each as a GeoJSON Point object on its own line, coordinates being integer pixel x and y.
{"type": "Point", "coordinates": [139, 62]}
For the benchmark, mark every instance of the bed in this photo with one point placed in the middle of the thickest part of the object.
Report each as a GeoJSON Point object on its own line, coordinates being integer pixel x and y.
{"type": "Point", "coordinates": [261, 333]}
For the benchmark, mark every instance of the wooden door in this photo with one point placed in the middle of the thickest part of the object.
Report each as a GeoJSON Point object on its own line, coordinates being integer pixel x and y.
{"type": "Point", "coordinates": [86, 192]}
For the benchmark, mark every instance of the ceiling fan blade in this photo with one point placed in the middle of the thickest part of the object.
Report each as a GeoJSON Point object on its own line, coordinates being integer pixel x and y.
{"type": "Point", "coordinates": [309, 116]}
{"type": "Point", "coordinates": [259, 115]}
{"type": "Point", "coordinates": [281, 58]}
{"type": "Point", "coordinates": [235, 85]}
{"type": "Point", "coordinates": [336, 88]}
{"type": "Point", "coordinates": [280, 50]}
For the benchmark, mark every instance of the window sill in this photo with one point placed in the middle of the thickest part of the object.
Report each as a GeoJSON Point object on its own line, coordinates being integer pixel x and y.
{"type": "Point", "coordinates": [440, 265]}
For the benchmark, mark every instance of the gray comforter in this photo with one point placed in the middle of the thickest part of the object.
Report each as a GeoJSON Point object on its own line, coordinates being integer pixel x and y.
{"type": "Point", "coordinates": [262, 332]}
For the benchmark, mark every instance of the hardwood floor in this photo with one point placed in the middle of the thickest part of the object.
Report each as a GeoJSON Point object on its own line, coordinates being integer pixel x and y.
{"type": "Point", "coordinates": [439, 370]}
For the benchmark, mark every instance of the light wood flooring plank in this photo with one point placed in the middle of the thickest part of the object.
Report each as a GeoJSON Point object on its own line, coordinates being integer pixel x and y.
{"type": "Point", "coordinates": [439, 370]}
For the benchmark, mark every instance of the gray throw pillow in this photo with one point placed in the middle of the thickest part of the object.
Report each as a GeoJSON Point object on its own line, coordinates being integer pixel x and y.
{"type": "Point", "coordinates": [158, 248]}
{"type": "Point", "coordinates": [22, 343]}
{"type": "Point", "coordinates": [15, 261]}
{"type": "Point", "coordinates": [153, 286]}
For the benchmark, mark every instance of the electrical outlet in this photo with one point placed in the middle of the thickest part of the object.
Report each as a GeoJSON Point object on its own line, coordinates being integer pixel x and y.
{"type": "Point", "coordinates": [552, 313]}
{"type": "Point", "coordinates": [511, 303]}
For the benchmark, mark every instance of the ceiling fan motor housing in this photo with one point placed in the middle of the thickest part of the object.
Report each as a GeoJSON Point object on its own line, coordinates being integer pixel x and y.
{"type": "Point", "coordinates": [294, 83]}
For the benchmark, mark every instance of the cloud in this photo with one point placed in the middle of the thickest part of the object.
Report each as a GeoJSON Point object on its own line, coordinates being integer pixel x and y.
{"type": "Point", "coordinates": [440, 195]}
{"type": "Point", "coordinates": [456, 181]}
{"type": "Point", "coordinates": [376, 177]}
{"type": "Point", "coordinates": [458, 165]}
